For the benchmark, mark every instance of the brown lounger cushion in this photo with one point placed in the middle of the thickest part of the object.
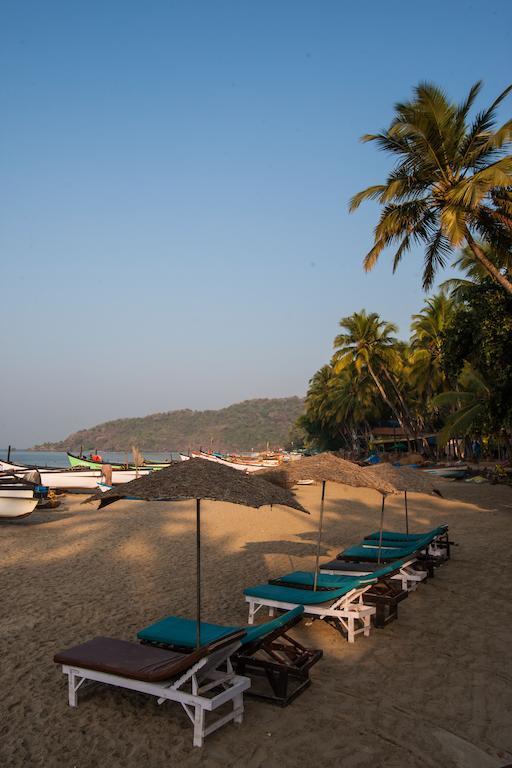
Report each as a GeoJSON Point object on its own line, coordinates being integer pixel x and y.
{"type": "Point", "coordinates": [138, 662]}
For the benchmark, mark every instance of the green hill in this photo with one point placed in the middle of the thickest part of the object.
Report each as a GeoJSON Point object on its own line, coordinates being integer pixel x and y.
{"type": "Point", "coordinates": [244, 426]}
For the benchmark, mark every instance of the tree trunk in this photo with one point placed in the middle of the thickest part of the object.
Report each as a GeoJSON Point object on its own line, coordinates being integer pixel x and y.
{"type": "Point", "coordinates": [487, 264]}
{"type": "Point", "coordinates": [386, 399]}
{"type": "Point", "coordinates": [405, 410]}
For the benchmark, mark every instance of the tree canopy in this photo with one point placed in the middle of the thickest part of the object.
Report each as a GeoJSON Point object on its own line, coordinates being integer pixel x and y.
{"type": "Point", "coordinates": [451, 183]}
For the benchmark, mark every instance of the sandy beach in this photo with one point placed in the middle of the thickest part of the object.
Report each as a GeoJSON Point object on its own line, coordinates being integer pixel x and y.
{"type": "Point", "coordinates": [432, 689]}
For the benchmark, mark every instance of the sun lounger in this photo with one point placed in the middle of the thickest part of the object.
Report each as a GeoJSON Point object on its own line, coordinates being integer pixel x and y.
{"type": "Point", "coordinates": [369, 551]}
{"type": "Point", "coordinates": [384, 593]}
{"type": "Point", "coordinates": [201, 680]}
{"type": "Point", "coordinates": [277, 664]}
{"type": "Point", "coordinates": [343, 607]}
{"type": "Point", "coordinates": [406, 570]}
{"type": "Point", "coordinates": [439, 544]}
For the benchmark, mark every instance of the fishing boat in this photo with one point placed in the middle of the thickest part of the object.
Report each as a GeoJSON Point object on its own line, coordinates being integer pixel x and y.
{"type": "Point", "coordinates": [14, 507]}
{"type": "Point", "coordinates": [17, 499]}
{"type": "Point", "coordinates": [76, 479]}
{"type": "Point", "coordinates": [243, 467]}
{"type": "Point", "coordinates": [81, 461]}
{"type": "Point", "coordinates": [453, 471]}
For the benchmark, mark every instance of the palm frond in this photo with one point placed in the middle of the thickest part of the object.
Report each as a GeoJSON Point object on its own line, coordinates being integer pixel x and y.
{"type": "Point", "coordinates": [370, 193]}
{"type": "Point", "coordinates": [460, 423]}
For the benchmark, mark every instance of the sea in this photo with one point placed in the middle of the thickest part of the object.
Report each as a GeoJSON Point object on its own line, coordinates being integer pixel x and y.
{"type": "Point", "coordinates": [60, 459]}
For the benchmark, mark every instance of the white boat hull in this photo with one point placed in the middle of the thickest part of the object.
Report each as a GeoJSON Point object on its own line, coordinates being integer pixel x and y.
{"type": "Point", "coordinates": [446, 471]}
{"type": "Point", "coordinates": [17, 493]}
{"type": "Point", "coordinates": [6, 466]}
{"type": "Point", "coordinates": [74, 479]}
{"type": "Point", "coordinates": [232, 464]}
{"type": "Point", "coordinates": [14, 506]}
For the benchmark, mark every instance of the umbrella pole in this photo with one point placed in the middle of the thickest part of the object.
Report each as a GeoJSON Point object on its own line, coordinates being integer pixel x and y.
{"type": "Point", "coordinates": [406, 514]}
{"type": "Point", "coordinates": [381, 527]}
{"type": "Point", "coordinates": [315, 582]}
{"type": "Point", "coordinates": [198, 572]}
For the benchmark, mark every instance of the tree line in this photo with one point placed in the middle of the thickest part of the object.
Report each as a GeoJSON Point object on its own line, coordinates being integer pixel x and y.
{"type": "Point", "coordinates": [450, 190]}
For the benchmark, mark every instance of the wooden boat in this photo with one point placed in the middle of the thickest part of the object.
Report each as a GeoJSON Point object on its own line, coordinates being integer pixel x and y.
{"type": "Point", "coordinates": [73, 478]}
{"type": "Point", "coordinates": [247, 467]}
{"type": "Point", "coordinates": [11, 489]}
{"type": "Point", "coordinates": [15, 507]}
{"type": "Point", "coordinates": [17, 499]}
{"type": "Point", "coordinates": [453, 471]}
{"type": "Point", "coordinates": [80, 461]}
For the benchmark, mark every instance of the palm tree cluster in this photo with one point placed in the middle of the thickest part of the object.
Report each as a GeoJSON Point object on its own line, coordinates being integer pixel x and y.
{"type": "Point", "coordinates": [453, 377]}
{"type": "Point", "coordinates": [373, 378]}
{"type": "Point", "coordinates": [450, 189]}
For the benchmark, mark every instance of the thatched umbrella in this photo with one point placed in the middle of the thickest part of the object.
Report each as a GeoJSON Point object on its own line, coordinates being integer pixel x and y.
{"type": "Point", "coordinates": [198, 479]}
{"type": "Point", "coordinates": [322, 468]}
{"type": "Point", "coordinates": [403, 479]}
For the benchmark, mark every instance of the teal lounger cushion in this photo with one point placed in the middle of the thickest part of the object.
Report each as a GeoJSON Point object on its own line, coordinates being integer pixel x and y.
{"type": "Point", "coordinates": [386, 553]}
{"type": "Point", "coordinates": [179, 632]}
{"type": "Point", "coordinates": [377, 573]}
{"type": "Point", "coordinates": [307, 578]}
{"type": "Point", "coordinates": [300, 596]}
{"type": "Point", "coordinates": [366, 552]}
{"type": "Point", "coordinates": [407, 537]}
{"type": "Point", "coordinates": [174, 630]}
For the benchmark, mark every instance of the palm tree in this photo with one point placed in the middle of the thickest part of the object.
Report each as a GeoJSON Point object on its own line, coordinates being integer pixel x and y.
{"type": "Point", "coordinates": [426, 373]}
{"type": "Point", "coordinates": [354, 404]}
{"type": "Point", "coordinates": [470, 403]}
{"type": "Point", "coordinates": [474, 270]}
{"type": "Point", "coordinates": [318, 395]}
{"type": "Point", "coordinates": [368, 346]}
{"type": "Point", "coordinates": [451, 183]}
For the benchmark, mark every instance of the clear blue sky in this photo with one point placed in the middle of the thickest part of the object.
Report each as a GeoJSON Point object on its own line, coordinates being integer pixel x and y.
{"type": "Point", "coordinates": [174, 179]}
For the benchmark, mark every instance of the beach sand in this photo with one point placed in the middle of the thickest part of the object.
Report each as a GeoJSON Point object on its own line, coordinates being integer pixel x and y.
{"type": "Point", "coordinates": [432, 689]}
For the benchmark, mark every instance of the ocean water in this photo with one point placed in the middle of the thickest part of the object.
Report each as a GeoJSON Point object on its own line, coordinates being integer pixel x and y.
{"type": "Point", "coordinates": [60, 459]}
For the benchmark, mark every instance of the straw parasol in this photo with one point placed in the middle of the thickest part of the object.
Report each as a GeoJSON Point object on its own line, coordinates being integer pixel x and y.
{"type": "Point", "coordinates": [327, 467]}
{"type": "Point", "coordinates": [198, 479]}
{"type": "Point", "coordinates": [403, 479]}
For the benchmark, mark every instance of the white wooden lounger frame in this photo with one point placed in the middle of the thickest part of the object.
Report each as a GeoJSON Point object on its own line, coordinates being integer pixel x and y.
{"type": "Point", "coordinates": [200, 679]}
{"type": "Point", "coordinates": [406, 574]}
{"type": "Point", "coordinates": [346, 610]}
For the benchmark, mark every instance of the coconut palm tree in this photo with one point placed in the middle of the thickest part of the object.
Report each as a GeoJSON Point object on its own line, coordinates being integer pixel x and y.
{"type": "Point", "coordinates": [368, 346]}
{"type": "Point", "coordinates": [469, 404]}
{"type": "Point", "coordinates": [451, 183]}
{"type": "Point", "coordinates": [318, 395]}
{"type": "Point", "coordinates": [475, 273]}
{"type": "Point", "coordinates": [425, 369]}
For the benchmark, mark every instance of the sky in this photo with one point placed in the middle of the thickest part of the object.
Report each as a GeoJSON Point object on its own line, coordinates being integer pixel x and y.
{"type": "Point", "coordinates": [174, 180]}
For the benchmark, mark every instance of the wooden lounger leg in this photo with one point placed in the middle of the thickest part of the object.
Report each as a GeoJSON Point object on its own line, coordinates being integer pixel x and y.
{"type": "Point", "coordinates": [74, 683]}
{"type": "Point", "coordinates": [238, 708]}
{"type": "Point", "coordinates": [380, 616]}
{"type": "Point", "coordinates": [254, 607]}
{"type": "Point", "coordinates": [366, 625]}
{"type": "Point", "coordinates": [351, 636]}
{"type": "Point", "coordinates": [72, 697]}
{"type": "Point", "coordinates": [198, 725]}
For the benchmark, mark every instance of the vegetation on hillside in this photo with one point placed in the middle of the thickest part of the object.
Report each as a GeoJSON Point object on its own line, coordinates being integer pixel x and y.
{"type": "Point", "coordinates": [243, 426]}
